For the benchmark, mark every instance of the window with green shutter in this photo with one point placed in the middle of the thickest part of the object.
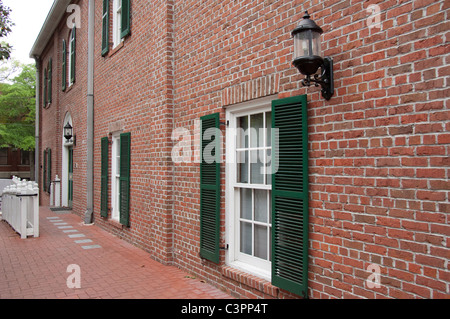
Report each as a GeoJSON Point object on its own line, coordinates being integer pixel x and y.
{"type": "Point", "coordinates": [124, 181]}
{"type": "Point", "coordinates": [49, 97]}
{"type": "Point", "coordinates": [105, 28]}
{"type": "Point", "coordinates": [210, 187]}
{"type": "Point", "coordinates": [72, 55]}
{"type": "Point", "coordinates": [44, 102]}
{"type": "Point", "coordinates": [290, 195]}
{"type": "Point", "coordinates": [64, 65]}
{"type": "Point", "coordinates": [44, 171]}
{"type": "Point", "coordinates": [125, 28]}
{"type": "Point", "coordinates": [47, 170]}
{"type": "Point", "coordinates": [104, 177]}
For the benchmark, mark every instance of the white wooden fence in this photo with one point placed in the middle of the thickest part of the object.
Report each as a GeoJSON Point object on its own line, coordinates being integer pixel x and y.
{"type": "Point", "coordinates": [20, 207]}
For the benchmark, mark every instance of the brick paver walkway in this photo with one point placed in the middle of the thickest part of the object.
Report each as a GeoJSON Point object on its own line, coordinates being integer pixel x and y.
{"type": "Point", "coordinates": [109, 267]}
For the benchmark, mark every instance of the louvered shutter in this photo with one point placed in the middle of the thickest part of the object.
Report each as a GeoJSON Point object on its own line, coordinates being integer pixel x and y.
{"type": "Point", "coordinates": [104, 178]}
{"type": "Point", "coordinates": [210, 188]}
{"type": "Point", "coordinates": [64, 65]}
{"type": "Point", "coordinates": [72, 54]}
{"type": "Point", "coordinates": [44, 173]}
{"type": "Point", "coordinates": [105, 27]}
{"type": "Point", "coordinates": [124, 180]}
{"type": "Point", "coordinates": [49, 98]}
{"type": "Point", "coordinates": [49, 169]}
{"type": "Point", "coordinates": [125, 23]}
{"type": "Point", "coordinates": [290, 195]}
{"type": "Point", "coordinates": [45, 88]}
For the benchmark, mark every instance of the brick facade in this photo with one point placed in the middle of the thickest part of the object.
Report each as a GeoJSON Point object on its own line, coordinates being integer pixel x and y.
{"type": "Point", "coordinates": [378, 150]}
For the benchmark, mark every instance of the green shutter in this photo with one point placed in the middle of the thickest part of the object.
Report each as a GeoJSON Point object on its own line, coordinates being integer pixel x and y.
{"type": "Point", "coordinates": [45, 88]}
{"type": "Point", "coordinates": [72, 54]}
{"type": "Point", "coordinates": [125, 23]}
{"type": "Point", "coordinates": [44, 172]}
{"type": "Point", "coordinates": [49, 169]}
{"type": "Point", "coordinates": [290, 195]}
{"type": "Point", "coordinates": [210, 188]}
{"type": "Point", "coordinates": [49, 98]}
{"type": "Point", "coordinates": [124, 187]}
{"type": "Point", "coordinates": [105, 27]}
{"type": "Point", "coordinates": [104, 178]}
{"type": "Point", "coordinates": [64, 66]}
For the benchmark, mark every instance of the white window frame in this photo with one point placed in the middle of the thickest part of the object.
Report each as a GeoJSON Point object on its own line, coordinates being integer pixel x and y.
{"type": "Point", "coordinates": [233, 256]}
{"type": "Point", "coordinates": [115, 176]}
{"type": "Point", "coordinates": [68, 66]}
{"type": "Point", "coordinates": [117, 22]}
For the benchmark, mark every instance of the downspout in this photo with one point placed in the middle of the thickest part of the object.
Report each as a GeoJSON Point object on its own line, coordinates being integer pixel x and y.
{"type": "Point", "coordinates": [37, 124]}
{"type": "Point", "coordinates": [88, 215]}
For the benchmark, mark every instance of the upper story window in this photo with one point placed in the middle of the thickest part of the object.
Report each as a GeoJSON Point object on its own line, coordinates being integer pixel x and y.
{"type": "Point", "coordinates": [47, 90]}
{"type": "Point", "coordinates": [120, 24]}
{"type": "Point", "coordinates": [71, 56]}
{"type": "Point", "coordinates": [117, 18]}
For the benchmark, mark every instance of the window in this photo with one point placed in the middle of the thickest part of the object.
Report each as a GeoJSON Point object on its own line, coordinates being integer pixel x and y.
{"type": "Point", "coordinates": [117, 19]}
{"type": "Point", "coordinates": [120, 24]}
{"type": "Point", "coordinates": [249, 148]}
{"type": "Point", "coordinates": [49, 79]}
{"type": "Point", "coordinates": [3, 156]}
{"type": "Point", "coordinates": [115, 176]}
{"type": "Point", "coordinates": [71, 62]}
{"type": "Point", "coordinates": [24, 157]}
{"type": "Point", "coordinates": [120, 177]}
{"type": "Point", "coordinates": [266, 197]}
{"type": "Point", "coordinates": [105, 28]}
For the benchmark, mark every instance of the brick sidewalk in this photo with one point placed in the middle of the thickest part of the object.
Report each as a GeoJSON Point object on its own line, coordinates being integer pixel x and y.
{"type": "Point", "coordinates": [110, 268]}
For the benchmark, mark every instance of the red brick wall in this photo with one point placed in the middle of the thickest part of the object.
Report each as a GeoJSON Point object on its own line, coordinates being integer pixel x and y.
{"type": "Point", "coordinates": [73, 100]}
{"type": "Point", "coordinates": [378, 149]}
{"type": "Point", "coordinates": [133, 93]}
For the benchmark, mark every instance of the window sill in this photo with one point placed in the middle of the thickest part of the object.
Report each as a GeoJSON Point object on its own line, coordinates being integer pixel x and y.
{"type": "Point", "coordinates": [114, 50]}
{"type": "Point", "coordinates": [114, 223]}
{"type": "Point", "coordinates": [68, 88]}
{"type": "Point", "coordinates": [250, 280]}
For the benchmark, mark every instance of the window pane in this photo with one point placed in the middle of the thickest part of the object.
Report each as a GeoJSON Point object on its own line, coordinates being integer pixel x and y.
{"type": "Point", "coordinates": [261, 241]}
{"type": "Point", "coordinates": [261, 205]}
{"type": "Point", "coordinates": [246, 203]}
{"type": "Point", "coordinates": [242, 132]}
{"type": "Point", "coordinates": [3, 156]}
{"type": "Point", "coordinates": [257, 125]}
{"type": "Point", "coordinates": [269, 128]}
{"type": "Point", "coordinates": [242, 166]}
{"type": "Point", "coordinates": [268, 167]}
{"type": "Point", "coordinates": [256, 168]}
{"type": "Point", "coordinates": [246, 238]}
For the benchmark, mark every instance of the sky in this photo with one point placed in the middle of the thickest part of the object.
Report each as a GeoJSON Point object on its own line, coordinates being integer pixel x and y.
{"type": "Point", "coordinates": [28, 17]}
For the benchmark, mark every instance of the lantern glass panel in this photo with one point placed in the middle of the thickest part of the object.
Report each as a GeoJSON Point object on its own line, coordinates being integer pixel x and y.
{"type": "Point", "coordinates": [316, 45]}
{"type": "Point", "coordinates": [301, 44]}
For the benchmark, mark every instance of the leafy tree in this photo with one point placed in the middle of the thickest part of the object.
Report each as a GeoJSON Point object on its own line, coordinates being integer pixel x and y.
{"type": "Point", "coordinates": [5, 28]}
{"type": "Point", "coordinates": [18, 109]}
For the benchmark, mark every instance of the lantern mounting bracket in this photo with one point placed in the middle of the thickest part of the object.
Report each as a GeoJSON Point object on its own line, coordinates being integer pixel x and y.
{"type": "Point", "coordinates": [325, 79]}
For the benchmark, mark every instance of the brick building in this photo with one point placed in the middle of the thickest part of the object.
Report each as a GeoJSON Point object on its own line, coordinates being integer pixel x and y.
{"type": "Point", "coordinates": [358, 206]}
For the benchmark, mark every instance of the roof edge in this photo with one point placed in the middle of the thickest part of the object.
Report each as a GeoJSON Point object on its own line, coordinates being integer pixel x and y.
{"type": "Point", "coordinates": [54, 16]}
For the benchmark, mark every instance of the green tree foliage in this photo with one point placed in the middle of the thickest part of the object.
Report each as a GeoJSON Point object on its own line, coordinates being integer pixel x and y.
{"type": "Point", "coordinates": [18, 109]}
{"type": "Point", "coordinates": [5, 29]}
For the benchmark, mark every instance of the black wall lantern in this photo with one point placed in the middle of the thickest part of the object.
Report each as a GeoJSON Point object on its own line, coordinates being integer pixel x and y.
{"type": "Point", "coordinates": [68, 131]}
{"type": "Point", "coordinates": [308, 56]}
